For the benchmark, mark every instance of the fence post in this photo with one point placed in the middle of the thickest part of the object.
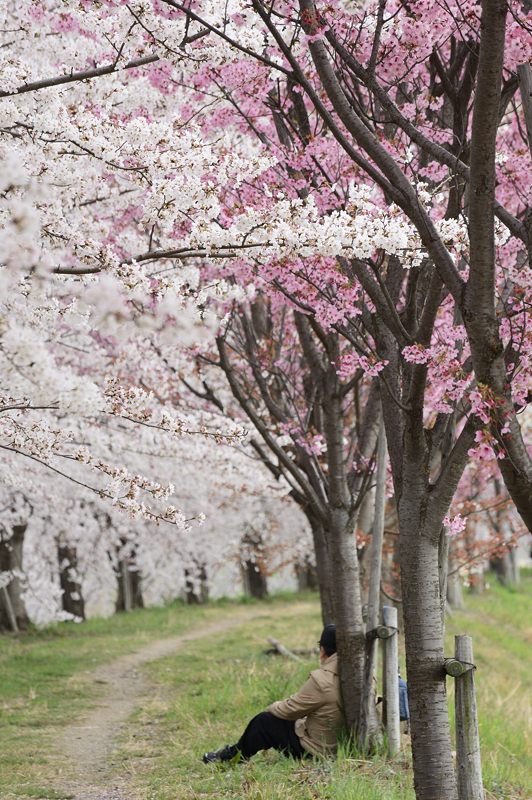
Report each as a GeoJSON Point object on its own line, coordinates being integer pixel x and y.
{"type": "Point", "coordinates": [468, 766]}
{"type": "Point", "coordinates": [391, 681]}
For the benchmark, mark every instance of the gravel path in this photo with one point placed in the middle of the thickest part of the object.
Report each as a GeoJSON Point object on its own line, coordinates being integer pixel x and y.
{"type": "Point", "coordinates": [89, 744]}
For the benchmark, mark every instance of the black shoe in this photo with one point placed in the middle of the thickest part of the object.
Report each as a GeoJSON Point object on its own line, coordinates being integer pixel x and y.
{"type": "Point", "coordinates": [228, 753]}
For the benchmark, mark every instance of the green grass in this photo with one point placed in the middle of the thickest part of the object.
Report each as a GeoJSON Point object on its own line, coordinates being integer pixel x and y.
{"type": "Point", "coordinates": [500, 622]}
{"type": "Point", "coordinates": [46, 683]}
{"type": "Point", "coordinates": [204, 694]}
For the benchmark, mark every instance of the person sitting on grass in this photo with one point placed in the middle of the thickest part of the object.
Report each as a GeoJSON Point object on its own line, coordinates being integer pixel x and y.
{"type": "Point", "coordinates": [305, 724]}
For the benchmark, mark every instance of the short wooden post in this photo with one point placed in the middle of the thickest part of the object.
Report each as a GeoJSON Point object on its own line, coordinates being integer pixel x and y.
{"type": "Point", "coordinates": [391, 681]}
{"type": "Point", "coordinates": [468, 766]}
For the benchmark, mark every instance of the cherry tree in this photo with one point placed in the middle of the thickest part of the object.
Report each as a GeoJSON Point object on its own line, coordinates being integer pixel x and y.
{"type": "Point", "coordinates": [365, 200]}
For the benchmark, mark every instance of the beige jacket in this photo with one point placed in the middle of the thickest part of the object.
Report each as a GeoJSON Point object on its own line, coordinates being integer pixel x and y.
{"type": "Point", "coordinates": [317, 709]}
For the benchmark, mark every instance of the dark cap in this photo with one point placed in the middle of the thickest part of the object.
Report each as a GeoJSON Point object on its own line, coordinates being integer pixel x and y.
{"type": "Point", "coordinates": [328, 639]}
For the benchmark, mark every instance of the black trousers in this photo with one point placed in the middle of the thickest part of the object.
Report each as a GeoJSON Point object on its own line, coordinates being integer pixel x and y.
{"type": "Point", "coordinates": [265, 731]}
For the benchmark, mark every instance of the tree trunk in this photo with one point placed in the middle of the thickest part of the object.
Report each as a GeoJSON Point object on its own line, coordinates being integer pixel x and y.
{"type": "Point", "coordinates": [196, 585]}
{"type": "Point", "coordinates": [434, 776]}
{"type": "Point", "coordinates": [455, 596]}
{"type": "Point", "coordinates": [350, 633]}
{"type": "Point", "coordinates": [136, 588]}
{"type": "Point", "coordinates": [477, 580]}
{"type": "Point", "coordinates": [479, 312]}
{"type": "Point", "coordinates": [11, 560]}
{"type": "Point", "coordinates": [72, 598]}
{"type": "Point", "coordinates": [306, 575]}
{"type": "Point", "coordinates": [129, 586]}
{"type": "Point", "coordinates": [255, 583]}
{"type": "Point", "coordinates": [369, 723]}
{"type": "Point", "coordinates": [323, 569]}
{"type": "Point", "coordinates": [504, 568]}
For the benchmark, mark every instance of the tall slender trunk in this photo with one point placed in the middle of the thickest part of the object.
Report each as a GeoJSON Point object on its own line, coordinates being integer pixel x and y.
{"type": "Point", "coordinates": [434, 776]}
{"type": "Point", "coordinates": [479, 306]}
{"type": "Point", "coordinates": [455, 596]}
{"type": "Point", "coordinates": [323, 569]}
{"type": "Point", "coordinates": [369, 723]}
{"type": "Point", "coordinates": [13, 607]}
{"type": "Point", "coordinates": [350, 633]}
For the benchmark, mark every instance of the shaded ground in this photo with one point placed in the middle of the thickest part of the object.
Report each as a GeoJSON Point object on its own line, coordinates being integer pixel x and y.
{"type": "Point", "coordinates": [89, 744]}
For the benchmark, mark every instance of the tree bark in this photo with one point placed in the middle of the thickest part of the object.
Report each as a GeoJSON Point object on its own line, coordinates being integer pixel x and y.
{"type": "Point", "coordinates": [350, 635]}
{"type": "Point", "coordinates": [255, 583]}
{"type": "Point", "coordinates": [434, 776]}
{"type": "Point", "coordinates": [455, 596]}
{"type": "Point", "coordinates": [504, 568]}
{"type": "Point", "coordinates": [479, 313]}
{"type": "Point", "coordinates": [196, 585]}
{"type": "Point", "coordinates": [72, 597]}
{"type": "Point", "coordinates": [306, 575]}
{"type": "Point", "coordinates": [11, 554]}
{"type": "Point", "coordinates": [369, 723]}
{"type": "Point", "coordinates": [129, 586]}
{"type": "Point", "coordinates": [323, 569]}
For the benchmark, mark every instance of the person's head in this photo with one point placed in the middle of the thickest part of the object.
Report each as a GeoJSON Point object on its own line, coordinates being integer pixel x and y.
{"type": "Point", "coordinates": [327, 642]}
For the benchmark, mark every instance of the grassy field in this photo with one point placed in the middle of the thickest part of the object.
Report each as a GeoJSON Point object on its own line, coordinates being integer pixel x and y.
{"type": "Point", "coordinates": [203, 695]}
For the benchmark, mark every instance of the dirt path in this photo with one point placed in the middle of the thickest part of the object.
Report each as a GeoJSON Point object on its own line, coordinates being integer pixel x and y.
{"type": "Point", "coordinates": [89, 744]}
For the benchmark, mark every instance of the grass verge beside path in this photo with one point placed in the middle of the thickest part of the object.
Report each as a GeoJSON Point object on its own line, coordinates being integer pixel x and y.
{"type": "Point", "coordinates": [204, 697]}
{"type": "Point", "coordinates": [204, 694]}
{"type": "Point", "coordinates": [46, 682]}
{"type": "Point", "coordinates": [207, 693]}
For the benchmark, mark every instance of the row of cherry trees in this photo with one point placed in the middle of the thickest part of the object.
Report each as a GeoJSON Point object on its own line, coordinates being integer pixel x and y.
{"type": "Point", "coordinates": [299, 215]}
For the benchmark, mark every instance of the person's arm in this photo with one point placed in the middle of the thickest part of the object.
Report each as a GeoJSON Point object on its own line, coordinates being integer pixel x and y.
{"type": "Point", "coordinates": [309, 698]}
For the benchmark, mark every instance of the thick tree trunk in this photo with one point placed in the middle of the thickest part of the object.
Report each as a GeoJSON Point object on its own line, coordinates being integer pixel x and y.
{"type": "Point", "coordinates": [72, 597]}
{"type": "Point", "coordinates": [255, 583]}
{"type": "Point", "coordinates": [350, 633]}
{"type": "Point", "coordinates": [196, 585]}
{"type": "Point", "coordinates": [12, 607]}
{"type": "Point", "coordinates": [434, 777]}
{"type": "Point", "coordinates": [323, 569]}
{"type": "Point", "coordinates": [504, 568]}
{"type": "Point", "coordinates": [129, 587]}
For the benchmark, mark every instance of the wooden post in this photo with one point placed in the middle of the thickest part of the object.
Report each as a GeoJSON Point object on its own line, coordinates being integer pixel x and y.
{"type": "Point", "coordinates": [468, 766]}
{"type": "Point", "coordinates": [9, 609]}
{"type": "Point", "coordinates": [391, 681]}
